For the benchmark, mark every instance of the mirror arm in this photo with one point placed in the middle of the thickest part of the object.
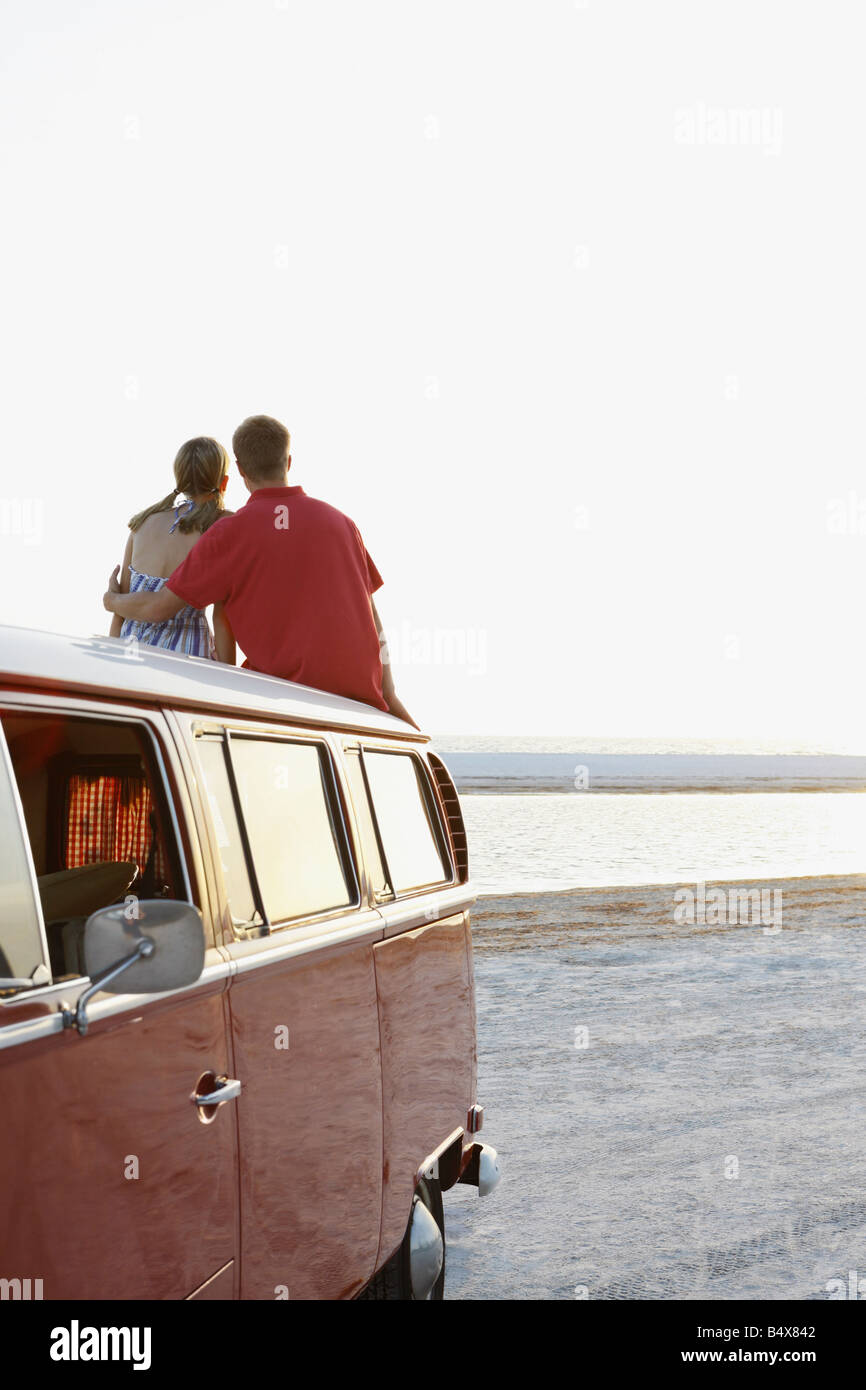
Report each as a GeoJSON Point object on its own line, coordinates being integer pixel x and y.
{"type": "Point", "coordinates": [78, 1019]}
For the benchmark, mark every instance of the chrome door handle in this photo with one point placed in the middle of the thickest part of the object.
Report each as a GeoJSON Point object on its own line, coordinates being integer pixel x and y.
{"type": "Point", "coordinates": [226, 1090]}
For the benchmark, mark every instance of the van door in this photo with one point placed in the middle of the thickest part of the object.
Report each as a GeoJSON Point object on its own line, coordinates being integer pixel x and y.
{"type": "Point", "coordinates": [304, 1014]}
{"type": "Point", "coordinates": [423, 969]}
{"type": "Point", "coordinates": [114, 1184]}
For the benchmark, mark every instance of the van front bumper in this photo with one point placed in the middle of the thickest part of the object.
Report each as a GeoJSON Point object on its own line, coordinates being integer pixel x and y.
{"type": "Point", "coordinates": [482, 1169]}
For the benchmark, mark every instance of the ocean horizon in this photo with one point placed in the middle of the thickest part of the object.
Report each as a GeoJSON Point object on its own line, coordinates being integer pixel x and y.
{"type": "Point", "coordinates": [545, 764]}
{"type": "Point", "coordinates": [543, 817]}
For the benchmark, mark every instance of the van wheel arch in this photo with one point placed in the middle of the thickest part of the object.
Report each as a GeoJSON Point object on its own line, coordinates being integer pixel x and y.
{"type": "Point", "coordinates": [393, 1281]}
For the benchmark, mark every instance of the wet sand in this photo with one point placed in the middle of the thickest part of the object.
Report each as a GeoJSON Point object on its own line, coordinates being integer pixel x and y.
{"type": "Point", "coordinates": [680, 1109]}
{"type": "Point", "coordinates": [523, 921]}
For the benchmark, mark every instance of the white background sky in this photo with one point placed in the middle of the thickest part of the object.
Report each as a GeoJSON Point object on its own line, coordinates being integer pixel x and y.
{"type": "Point", "coordinates": [589, 391]}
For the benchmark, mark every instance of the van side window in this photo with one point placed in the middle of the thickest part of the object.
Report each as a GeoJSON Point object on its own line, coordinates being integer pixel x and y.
{"type": "Point", "coordinates": [367, 826]}
{"type": "Point", "coordinates": [242, 903]}
{"type": "Point", "coordinates": [21, 948]}
{"type": "Point", "coordinates": [96, 818]}
{"type": "Point", "coordinates": [288, 801]}
{"type": "Point", "coordinates": [408, 825]}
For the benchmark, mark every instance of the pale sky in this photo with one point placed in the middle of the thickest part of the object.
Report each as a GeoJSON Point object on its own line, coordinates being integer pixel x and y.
{"type": "Point", "coordinates": [562, 303]}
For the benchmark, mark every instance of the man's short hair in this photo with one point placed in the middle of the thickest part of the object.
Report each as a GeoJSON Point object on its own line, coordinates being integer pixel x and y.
{"type": "Point", "coordinates": [261, 446]}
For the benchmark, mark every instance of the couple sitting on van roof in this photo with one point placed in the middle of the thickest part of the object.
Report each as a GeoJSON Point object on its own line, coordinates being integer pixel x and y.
{"type": "Point", "coordinates": [287, 574]}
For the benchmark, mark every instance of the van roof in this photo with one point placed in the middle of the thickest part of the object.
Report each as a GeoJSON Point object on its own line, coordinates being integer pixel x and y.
{"type": "Point", "coordinates": [110, 667]}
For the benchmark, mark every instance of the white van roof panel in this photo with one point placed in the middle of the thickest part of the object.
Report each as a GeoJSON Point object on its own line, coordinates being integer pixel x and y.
{"type": "Point", "coordinates": [109, 666]}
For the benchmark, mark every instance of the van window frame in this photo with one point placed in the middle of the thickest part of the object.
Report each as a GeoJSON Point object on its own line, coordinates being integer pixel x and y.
{"type": "Point", "coordinates": [349, 750]}
{"type": "Point", "coordinates": [217, 731]}
{"type": "Point", "coordinates": [7, 769]}
{"type": "Point", "coordinates": [92, 711]}
{"type": "Point", "coordinates": [432, 807]}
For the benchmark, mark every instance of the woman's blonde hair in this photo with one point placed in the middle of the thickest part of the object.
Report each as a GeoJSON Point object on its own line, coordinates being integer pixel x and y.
{"type": "Point", "coordinates": [199, 467]}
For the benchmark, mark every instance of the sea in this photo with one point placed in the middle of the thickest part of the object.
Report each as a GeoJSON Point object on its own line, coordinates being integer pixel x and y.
{"type": "Point", "coordinates": [547, 813]}
{"type": "Point", "coordinates": [678, 1110]}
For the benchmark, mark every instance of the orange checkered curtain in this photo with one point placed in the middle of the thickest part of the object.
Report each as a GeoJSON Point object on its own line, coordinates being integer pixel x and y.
{"type": "Point", "coordinates": [107, 818]}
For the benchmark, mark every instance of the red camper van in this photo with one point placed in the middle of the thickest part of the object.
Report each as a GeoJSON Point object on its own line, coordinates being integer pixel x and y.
{"type": "Point", "coordinates": [237, 1024]}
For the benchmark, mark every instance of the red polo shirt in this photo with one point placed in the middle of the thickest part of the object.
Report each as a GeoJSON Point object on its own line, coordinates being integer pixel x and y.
{"type": "Point", "coordinates": [296, 581]}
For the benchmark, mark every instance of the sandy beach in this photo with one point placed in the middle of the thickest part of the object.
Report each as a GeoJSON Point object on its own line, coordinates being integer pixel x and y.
{"type": "Point", "coordinates": [524, 921]}
{"type": "Point", "coordinates": [679, 1107]}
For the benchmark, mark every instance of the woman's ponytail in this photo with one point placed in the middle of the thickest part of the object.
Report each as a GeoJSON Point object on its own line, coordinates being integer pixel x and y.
{"type": "Point", "coordinates": [201, 515]}
{"type": "Point", "coordinates": [166, 505]}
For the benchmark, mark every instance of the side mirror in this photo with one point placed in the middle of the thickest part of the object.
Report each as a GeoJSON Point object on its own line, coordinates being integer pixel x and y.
{"type": "Point", "coordinates": [144, 947]}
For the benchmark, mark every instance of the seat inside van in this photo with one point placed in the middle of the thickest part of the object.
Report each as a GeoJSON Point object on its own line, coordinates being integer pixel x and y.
{"type": "Point", "coordinates": [69, 897]}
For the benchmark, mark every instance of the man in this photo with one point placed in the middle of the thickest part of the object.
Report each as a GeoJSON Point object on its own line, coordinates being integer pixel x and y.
{"type": "Point", "coordinates": [293, 575]}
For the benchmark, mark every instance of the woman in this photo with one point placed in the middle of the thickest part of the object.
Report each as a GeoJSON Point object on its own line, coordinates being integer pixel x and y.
{"type": "Point", "coordinates": [161, 536]}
